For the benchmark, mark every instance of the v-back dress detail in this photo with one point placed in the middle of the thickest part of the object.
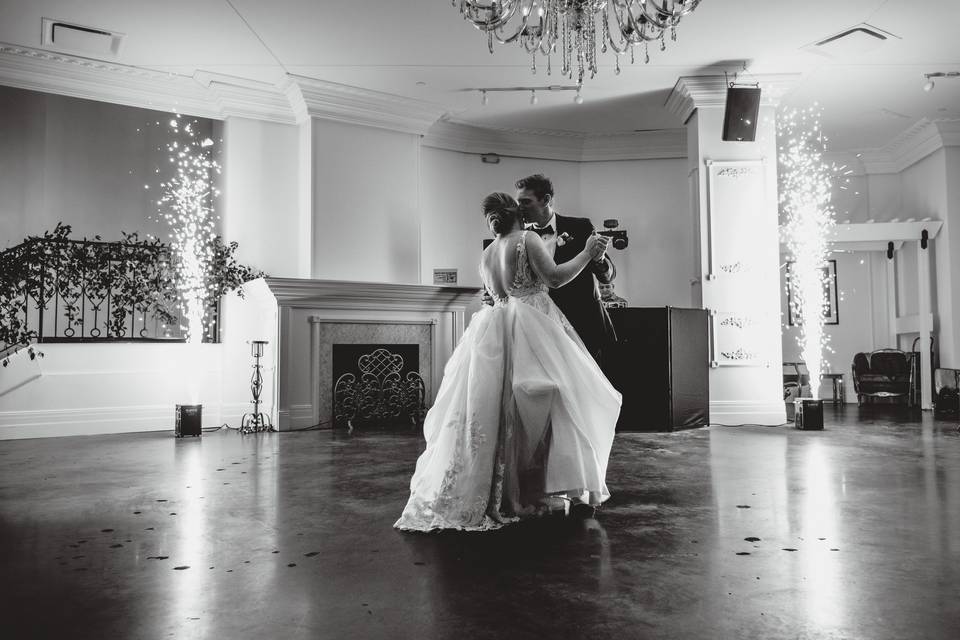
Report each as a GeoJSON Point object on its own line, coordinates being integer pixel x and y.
{"type": "Point", "coordinates": [523, 413]}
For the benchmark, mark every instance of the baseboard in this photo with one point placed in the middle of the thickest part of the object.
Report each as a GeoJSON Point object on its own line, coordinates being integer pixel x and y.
{"type": "Point", "coordinates": [15, 425]}
{"type": "Point", "coordinates": [737, 413]}
{"type": "Point", "coordinates": [298, 416]}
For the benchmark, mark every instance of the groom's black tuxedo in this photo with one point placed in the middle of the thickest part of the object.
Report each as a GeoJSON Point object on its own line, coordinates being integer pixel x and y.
{"type": "Point", "coordinates": [579, 299]}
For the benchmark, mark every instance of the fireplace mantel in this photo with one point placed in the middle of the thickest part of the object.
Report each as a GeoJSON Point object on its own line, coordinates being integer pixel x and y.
{"type": "Point", "coordinates": [312, 311]}
{"type": "Point", "coordinates": [345, 294]}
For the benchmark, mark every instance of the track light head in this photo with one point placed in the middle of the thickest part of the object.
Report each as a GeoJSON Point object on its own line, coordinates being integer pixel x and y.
{"type": "Point", "coordinates": [929, 84]}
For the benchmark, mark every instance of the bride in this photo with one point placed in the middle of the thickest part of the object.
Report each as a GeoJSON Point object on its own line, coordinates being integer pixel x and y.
{"type": "Point", "coordinates": [524, 415]}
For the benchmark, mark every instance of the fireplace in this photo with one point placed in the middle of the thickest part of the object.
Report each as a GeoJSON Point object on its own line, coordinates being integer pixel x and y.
{"type": "Point", "coordinates": [317, 315]}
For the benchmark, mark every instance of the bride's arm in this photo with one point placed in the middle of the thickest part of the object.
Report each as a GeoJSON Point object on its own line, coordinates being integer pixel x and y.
{"type": "Point", "coordinates": [556, 275]}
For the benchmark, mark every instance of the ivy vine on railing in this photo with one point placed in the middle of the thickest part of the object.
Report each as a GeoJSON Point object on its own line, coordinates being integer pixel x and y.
{"type": "Point", "coordinates": [53, 288]}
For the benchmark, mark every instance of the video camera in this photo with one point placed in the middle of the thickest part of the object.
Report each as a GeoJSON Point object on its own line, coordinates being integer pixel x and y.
{"type": "Point", "coordinates": [618, 237]}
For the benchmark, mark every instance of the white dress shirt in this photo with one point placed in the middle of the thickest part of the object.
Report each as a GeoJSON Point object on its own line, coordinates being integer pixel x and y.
{"type": "Point", "coordinates": [549, 239]}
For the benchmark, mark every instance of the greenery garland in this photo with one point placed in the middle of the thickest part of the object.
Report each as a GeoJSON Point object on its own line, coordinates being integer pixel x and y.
{"type": "Point", "coordinates": [136, 273]}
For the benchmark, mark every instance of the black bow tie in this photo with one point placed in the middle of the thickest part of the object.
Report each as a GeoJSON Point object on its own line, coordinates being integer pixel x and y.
{"type": "Point", "coordinates": [543, 231]}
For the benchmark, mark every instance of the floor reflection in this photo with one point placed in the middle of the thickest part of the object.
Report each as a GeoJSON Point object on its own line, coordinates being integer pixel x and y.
{"type": "Point", "coordinates": [190, 544]}
{"type": "Point", "coordinates": [299, 529]}
{"type": "Point", "coordinates": [819, 569]}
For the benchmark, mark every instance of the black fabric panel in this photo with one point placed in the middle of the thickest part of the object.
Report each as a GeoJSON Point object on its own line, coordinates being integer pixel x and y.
{"type": "Point", "coordinates": [660, 365]}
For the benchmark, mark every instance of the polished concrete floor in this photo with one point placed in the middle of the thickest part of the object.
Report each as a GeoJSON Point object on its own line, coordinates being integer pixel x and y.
{"type": "Point", "coordinates": [725, 532]}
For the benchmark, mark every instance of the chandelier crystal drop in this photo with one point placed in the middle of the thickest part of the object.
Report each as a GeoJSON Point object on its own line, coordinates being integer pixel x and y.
{"type": "Point", "coordinates": [573, 29]}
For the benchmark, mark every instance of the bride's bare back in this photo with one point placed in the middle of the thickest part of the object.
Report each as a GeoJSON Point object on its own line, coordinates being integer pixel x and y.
{"type": "Point", "coordinates": [500, 263]}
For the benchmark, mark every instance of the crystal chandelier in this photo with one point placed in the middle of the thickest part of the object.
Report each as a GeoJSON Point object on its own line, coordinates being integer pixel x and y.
{"type": "Point", "coordinates": [575, 26]}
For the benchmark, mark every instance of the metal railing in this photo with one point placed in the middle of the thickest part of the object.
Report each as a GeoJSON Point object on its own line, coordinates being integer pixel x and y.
{"type": "Point", "coordinates": [61, 290]}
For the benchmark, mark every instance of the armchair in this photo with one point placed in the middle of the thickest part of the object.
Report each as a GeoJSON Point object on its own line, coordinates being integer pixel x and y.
{"type": "Point", "coordinates": [884, 373]}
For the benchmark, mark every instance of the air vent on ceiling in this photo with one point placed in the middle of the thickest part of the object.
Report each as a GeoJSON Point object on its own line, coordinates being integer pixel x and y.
{"type": "Point", "coordinates": [853, 41]}
{"type": "Point", "coordinates": [74, 38]}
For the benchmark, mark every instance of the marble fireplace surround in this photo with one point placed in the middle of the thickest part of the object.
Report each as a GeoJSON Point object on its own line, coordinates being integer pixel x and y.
{"type": "Point", "coordinates": [315, 314]}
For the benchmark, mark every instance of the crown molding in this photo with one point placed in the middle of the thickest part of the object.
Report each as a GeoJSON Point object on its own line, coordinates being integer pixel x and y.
{"type": "Point", "coordinates": [913, 145]}
{"type": "Point", "coordinates": [205, 95]}
{"type": "Point", "coordinates": [696, 92]}
{"type": "Point", "coordinates": [543, 144]}
{"type": "Point", "coordinates": [77, 77]}
{"type": "Point", "coordinates": [244, 98]}
{"type": "Point", "coordinates": [331, 101]}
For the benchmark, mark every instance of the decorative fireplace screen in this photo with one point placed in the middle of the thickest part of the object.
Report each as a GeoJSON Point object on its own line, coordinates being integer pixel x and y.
{"type": "Point", "coordinates": [379, 392]}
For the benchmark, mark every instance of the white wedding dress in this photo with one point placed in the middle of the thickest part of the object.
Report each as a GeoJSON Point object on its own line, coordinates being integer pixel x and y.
{"type": "Point", "coordinates": [523, 414]}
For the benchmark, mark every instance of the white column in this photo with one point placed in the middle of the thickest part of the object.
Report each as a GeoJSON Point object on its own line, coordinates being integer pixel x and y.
{"type": "Point", "coordinates": [304, 242]}
{"type": "Point", "coordinates": [734, 194]}
{"type": "Point", "coordinates": [925, 325]}
{"type": "Point", "coordinates": [260, 186]}
{"type": "Point", "coordinates": [891, 304]}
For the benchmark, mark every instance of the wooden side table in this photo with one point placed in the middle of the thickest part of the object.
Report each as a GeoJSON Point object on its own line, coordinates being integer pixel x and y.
{"type": "Point", "coordinates": [839, 396]}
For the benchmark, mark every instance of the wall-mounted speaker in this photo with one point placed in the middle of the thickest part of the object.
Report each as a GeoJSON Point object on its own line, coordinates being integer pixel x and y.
{"type": "Point", "coordinates": [740, 114]}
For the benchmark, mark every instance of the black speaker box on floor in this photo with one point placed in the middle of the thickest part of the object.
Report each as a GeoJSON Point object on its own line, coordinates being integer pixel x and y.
{"type": "Point", "coordinates": [740, 114]}
{"type": "Point", "coordinates": [808, 415]}
{"type": "Point", "coordinates": [661, 366]}
{"type": "Point", "coordinates": [189, 420]}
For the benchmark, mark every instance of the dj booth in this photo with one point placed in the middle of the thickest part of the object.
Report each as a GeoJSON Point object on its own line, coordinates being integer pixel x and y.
{"type": "Point", "coordinates": [661, 366]}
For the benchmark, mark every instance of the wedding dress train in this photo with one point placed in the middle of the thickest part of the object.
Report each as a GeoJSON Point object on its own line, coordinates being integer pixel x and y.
{"type": "Point", "coordinates": [523, 413]}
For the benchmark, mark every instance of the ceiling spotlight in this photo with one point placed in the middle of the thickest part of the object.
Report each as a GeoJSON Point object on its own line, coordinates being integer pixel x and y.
{"type": "Point", "coordinates": [483, 98]}
{"type": "Point", "coordinates": [929, 84]}
{"type": "Point", "coordinates": [533, 96]}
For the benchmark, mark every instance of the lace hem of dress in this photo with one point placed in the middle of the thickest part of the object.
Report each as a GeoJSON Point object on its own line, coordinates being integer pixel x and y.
{"type": "Point", "coordinates": [441, 524]}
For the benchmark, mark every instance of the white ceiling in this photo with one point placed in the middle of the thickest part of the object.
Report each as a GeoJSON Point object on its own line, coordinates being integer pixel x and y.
{"type": "Point", "coordinates": [392, 45]}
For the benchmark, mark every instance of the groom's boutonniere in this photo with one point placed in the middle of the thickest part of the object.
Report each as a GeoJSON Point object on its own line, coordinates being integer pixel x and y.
{"type": "Point", "coordinates": [563, 238]}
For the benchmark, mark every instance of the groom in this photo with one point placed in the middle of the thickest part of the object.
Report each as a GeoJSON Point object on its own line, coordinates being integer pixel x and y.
{"type": "Point", "coordinates": [565, 237]}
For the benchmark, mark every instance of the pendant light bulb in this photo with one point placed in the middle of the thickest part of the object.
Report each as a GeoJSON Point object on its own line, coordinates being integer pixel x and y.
{"type": "Point", "coordinates": [483, 98]}
{"type": "Point", "coordinates": [533, 97]}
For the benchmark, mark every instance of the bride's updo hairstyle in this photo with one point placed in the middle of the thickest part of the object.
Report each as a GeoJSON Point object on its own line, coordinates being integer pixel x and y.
{"type": "Point", "coordinates": [502, 210]}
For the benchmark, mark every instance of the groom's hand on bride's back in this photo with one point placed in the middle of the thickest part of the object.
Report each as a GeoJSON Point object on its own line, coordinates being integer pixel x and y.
{"type": "Point", "coordinates": [486, 298]}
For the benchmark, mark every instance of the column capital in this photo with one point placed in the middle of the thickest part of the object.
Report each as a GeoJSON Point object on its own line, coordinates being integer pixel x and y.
{"type": "Point", "coordinates": [695, 92]}
{"type": "Point", "coordinates": [313, 98]}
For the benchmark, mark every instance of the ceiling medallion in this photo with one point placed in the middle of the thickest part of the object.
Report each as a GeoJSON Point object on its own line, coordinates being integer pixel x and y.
{"type": "Point", "coordinates": [572, 28]}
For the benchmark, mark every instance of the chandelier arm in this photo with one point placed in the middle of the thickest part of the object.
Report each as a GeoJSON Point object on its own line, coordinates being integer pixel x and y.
{"type": "Point", "coordinates": [623, 46]}
{"type": "Point", "coordinates": [667, 13]}
{"type": "Point", "coordinates": [519, 32]}
{"type": "Point", "coordinates": [644, 27]}
{"type": "Point", "coordinates": [637, 30]}
{"type": "Point", "coordinates": [472, 15]}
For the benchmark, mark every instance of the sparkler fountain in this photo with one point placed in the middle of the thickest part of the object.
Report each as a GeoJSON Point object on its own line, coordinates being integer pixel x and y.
{"type": "Point", "coordinates": [805, 185]}
{"type": "Point", "coordinates": [186, 205]}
